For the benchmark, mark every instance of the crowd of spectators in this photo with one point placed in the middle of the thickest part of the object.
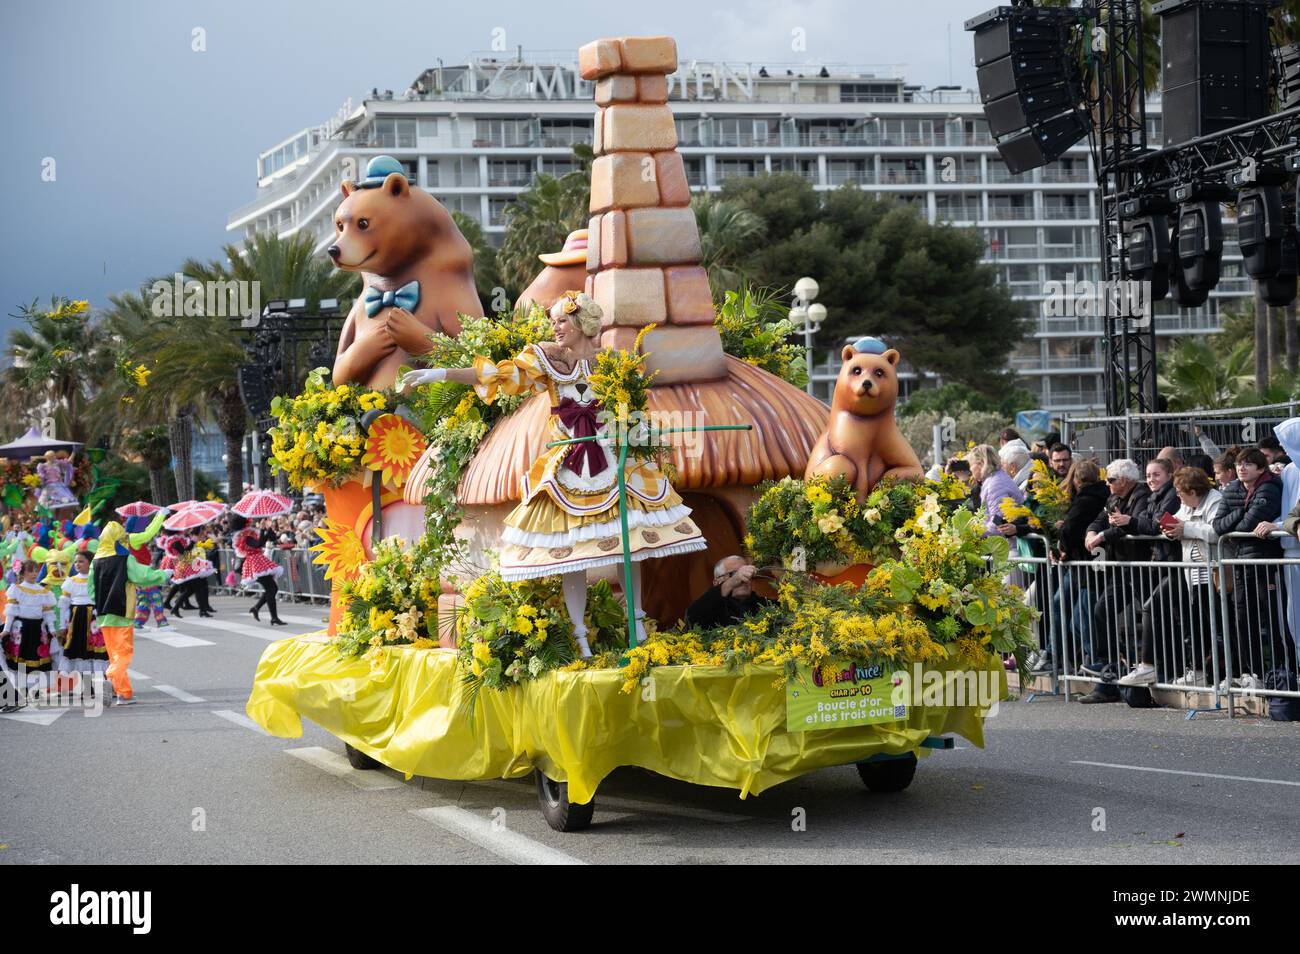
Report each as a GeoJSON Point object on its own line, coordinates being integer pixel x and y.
{"type": "Point", "coordinates": [1136, 624]}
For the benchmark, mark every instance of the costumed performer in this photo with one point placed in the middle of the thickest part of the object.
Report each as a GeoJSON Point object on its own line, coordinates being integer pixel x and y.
{"type": "Point", "coordinates": [148, 599]}
{"type": "Point", "coordinates": [258, 567]}
{"type": "Point", "coordinates": [29, 625]}
{"type": "Point", "coordinates": [83, 641]}
{"type": "Point", "coordinates": [114, 576]}
{"type": "Point", "coordinates": [568, 521]}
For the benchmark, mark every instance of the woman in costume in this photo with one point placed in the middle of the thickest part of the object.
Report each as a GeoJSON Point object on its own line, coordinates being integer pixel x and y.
{"type": "Point", "coordinates": [29, 623]}
{"type": "Point", "coordinates": [83, 641]}
{"type": "Point", "coordinates": [190, 574]}
{"type": "Point", "coordinates": [259, 568]}
{"type": "Point", "coordinates": [568, 520]}
{"type": "Point", "coordinates": [56, 479]}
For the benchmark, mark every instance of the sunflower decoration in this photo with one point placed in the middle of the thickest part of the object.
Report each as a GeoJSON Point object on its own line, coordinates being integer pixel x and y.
{"type": "Point", "coordinates": [340, 551]}
{"type": "Point", "coordinates": [393, 446]}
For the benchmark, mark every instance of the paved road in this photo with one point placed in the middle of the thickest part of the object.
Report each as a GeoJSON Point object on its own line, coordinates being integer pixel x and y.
{"type": "Point", "coordinates": [183, 777]}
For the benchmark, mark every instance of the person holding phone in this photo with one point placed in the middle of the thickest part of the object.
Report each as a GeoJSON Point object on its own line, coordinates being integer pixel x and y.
{"type": "Point", "coordinates": [1187, 594]}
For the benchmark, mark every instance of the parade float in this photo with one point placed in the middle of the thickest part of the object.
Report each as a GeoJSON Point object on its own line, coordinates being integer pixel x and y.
{"type": "Point", "coordinates": [579, 465]}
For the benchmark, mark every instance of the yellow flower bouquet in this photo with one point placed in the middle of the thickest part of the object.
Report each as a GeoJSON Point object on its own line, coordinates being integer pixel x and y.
{"type": "Point", "coordinates": [318, 436]}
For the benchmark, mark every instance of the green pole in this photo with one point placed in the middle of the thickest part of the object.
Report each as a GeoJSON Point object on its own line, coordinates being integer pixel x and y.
{"type": "Point", "coordinates": [622, 508]}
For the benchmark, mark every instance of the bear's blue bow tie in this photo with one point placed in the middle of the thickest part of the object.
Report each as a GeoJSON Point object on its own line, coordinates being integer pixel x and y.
{"type": "Point", "coordinates": [408, 296]}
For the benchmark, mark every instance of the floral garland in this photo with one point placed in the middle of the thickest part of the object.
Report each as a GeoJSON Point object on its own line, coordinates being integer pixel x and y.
{"type": "Point", "coordinates": [319, 437]}
{"type": "Point", "coordinates": [391, 602]}
{"type": "Point", "coordinates": [510, 632]}
{"type": "Point", "coordinates": [798, 524]}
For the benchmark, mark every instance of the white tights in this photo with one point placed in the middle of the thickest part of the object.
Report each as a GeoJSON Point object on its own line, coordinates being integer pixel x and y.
{"type": "Point", "coordinates": [575, 601]}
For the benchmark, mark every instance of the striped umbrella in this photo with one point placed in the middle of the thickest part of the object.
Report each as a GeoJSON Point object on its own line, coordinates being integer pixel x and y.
{"type": "Point", "coordinates": [194, 516]}
{"type": "Point", "coordinates": [138, 508]}
{"type": "Point", "coordinates": [262, 503]}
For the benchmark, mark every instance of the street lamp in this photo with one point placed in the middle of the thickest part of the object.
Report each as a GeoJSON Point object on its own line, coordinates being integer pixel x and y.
{"type": "Point", "coordinates": [803, 311]}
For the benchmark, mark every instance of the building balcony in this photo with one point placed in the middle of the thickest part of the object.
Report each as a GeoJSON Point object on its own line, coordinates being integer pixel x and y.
{"type": "Point", "coordinates": [1066, 212]}
{"type": "Point", "coordinates": [1010, 213]}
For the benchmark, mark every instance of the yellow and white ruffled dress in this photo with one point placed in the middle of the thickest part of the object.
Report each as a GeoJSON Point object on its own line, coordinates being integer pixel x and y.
{"type": "Point", "coordinates": [567, 520]}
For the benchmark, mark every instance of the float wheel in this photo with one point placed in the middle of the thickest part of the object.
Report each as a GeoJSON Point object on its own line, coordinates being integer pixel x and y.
{"type": "Point", "coordinates": [358, 759]}
{"type": "Point", "coordinates": [560, 813]}
{"type": "Point", "coordinates": [888, 775]}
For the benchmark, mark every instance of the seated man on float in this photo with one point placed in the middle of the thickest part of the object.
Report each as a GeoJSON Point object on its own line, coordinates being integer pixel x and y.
{"type": "Point", "coordinates": [730, 599]}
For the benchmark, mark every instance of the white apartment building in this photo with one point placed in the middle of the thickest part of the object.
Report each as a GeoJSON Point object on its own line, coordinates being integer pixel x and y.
{"type": "Point", "coordinates": [475, 135]}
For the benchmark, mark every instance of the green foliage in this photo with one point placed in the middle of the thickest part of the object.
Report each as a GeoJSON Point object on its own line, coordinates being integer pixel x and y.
{"type": "Point", "coordinates": [884, 271]}
{"type": "Point", "coordinates": [729, 233]}
{"type": "Point", "coordinates": [755, 326]}
{"type": "Point", "coordinates": [954, 398]}
{"type": "Point", "coordinates": [487, 277]}
{"type": "Point", "coordinates": [539, 220]}
{"type": "Point", "coordinates": [1198, 374]}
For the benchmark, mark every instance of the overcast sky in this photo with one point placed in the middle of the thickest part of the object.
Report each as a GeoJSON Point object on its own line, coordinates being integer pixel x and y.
{"type": "Point", "coordinates": [154, 144]}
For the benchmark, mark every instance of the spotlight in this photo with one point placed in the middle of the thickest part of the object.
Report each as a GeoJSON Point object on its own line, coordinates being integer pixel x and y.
{"type": "Point", "coordinates": [1146, 242]}
{"type": "Point", "coordinates": [1200, 232]}
{"type": "Point", "coordinates": [297, 306]}
{"type": "Point", "coordinates": [1280, 287]}
{"type": "Point", "coordinates": [276, 306]}
{"type": "Point", "coordinates": [1260, 226]}
{"type": "Point", "coordinates": [1184, 296]}
{"type": "Point", "coordinates": [329, 306]}
{"type": "Point", "coordinates": [1028, 83]}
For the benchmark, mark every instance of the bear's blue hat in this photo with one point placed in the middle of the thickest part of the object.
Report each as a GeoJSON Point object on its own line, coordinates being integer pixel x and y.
{"type": "Point", "coordinates": [378, 169]}
{"type": "Point", "coordinates": [869, 345]}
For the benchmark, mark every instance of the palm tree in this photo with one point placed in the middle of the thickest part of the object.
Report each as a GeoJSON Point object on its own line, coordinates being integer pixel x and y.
{"type": "Point", "coordinates": [486, 278]}
{"type": "Point", "coordinates": [55, 362]}
{"type": "Point", "coordinates": [540, 219]}
{"type": "Point", "coordinates": [198, 357]}
{"type": "Point", "coordinates": [154, 446]}
{"type": "Point", "coordinates": [729, 236]}
{"type": "Point", "coordinates": [1197, 375]}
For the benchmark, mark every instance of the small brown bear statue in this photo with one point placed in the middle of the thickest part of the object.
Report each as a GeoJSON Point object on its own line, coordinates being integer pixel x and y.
{"type": "Point", "coordinates": [862, 442]}
{"type": "Point", "coordinates": [418, 270]}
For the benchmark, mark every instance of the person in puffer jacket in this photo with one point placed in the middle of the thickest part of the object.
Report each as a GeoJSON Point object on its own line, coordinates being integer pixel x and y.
{"type": "Point", "coordinates": [1256, 620]}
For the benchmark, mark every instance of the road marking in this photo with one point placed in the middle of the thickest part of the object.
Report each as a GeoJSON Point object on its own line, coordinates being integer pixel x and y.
{"type": "Point", "coordinates": [502, 842]}
{"type": "Point", "coordinates": [335, 764]}
{"type": "Point", "coordinates": [267, 634]}
{"type": "Point", "coordinates": [1233, 778]}
{"type": "Point", "coordinates": [635, 805]}
{"type": "Point", "coordinates": [138, 675]}
{"type": "Point", "coordinates": [239, 719]}
{"type": "Point", "coordinates": [174, 639]}
{"type": "Point", "coordinates": [316, 621]}
{"type": "Point", "coordinates": [180, 694]}
{"type": "Point", "coordinates": [39, 717]}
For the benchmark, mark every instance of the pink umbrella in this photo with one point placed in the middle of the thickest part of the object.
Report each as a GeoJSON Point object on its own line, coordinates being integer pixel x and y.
{"type": "Point", "coordinates": [178, 507]}
{"type": "Point", "coordinates": [194, 516]}
{"type": "Point", "coordinates": [262, 503]}
{"type": "Point", "coordinates": [138, 508]}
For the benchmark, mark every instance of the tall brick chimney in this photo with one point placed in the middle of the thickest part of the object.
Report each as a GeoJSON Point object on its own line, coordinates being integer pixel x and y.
{"type": "Point", "coordinates": [643, 248]}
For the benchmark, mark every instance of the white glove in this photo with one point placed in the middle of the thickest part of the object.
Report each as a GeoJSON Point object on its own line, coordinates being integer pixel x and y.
{"type": "Point", "coordinates": [412, 379]}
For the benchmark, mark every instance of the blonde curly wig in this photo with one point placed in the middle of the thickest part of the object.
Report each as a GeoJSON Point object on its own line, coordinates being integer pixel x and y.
{"type": "Point", "coordinates": [582, 311]}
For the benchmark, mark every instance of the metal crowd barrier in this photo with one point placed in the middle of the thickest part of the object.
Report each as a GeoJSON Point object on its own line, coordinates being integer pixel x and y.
{"type": "Point", "coordinates": [1216, 629]}
{"type": "Point", "coordinates": [302, 580]}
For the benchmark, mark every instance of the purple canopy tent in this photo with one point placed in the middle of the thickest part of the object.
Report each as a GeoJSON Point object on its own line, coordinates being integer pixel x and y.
{"type": "Point", "coordinates": [34, 443]}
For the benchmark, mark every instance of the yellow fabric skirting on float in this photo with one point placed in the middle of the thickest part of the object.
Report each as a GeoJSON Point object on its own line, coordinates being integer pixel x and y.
{"type": "Point", "coordinates": [704, 725]}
